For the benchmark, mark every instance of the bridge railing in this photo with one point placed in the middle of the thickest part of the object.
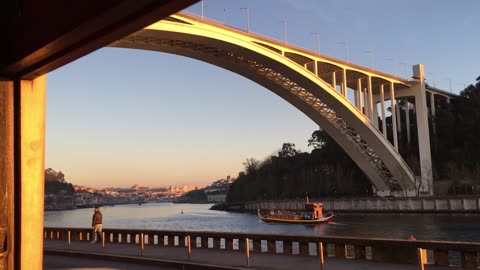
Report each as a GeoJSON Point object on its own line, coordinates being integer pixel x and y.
{"type": "Point", "coordinates": [437, 253]}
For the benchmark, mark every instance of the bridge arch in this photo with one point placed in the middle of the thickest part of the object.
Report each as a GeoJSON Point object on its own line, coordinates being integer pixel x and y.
{"type": "Point", "coordinates": [296, 77]}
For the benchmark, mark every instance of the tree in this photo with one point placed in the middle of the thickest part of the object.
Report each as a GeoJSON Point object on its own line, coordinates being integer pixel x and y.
{"type": "Point", "coordinates": [288, 150]}
{"type": "Point", "coordinates": [251, 165]}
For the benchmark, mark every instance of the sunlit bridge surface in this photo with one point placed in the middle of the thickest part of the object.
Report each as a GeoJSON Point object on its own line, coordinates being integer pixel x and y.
{"type": "Point", "coordinates": [345, 99]}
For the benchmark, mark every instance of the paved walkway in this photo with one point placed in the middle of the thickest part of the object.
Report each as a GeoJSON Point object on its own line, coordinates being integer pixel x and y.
{"type": "Point", "coordinates": [120, 255]}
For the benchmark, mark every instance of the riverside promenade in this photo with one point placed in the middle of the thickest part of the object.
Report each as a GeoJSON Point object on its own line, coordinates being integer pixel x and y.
{"type": "Point", "coordinates": [58, 255]}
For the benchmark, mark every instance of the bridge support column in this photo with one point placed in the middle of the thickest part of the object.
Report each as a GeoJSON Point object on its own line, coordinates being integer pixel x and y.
{"type": "Point", "coordinates": [382, 105]}
{"type": "Point", "coordinates": [358, 95]}
{"type": "Point", "coordinates": [334, 81]}
{"type": "Point", "coordinates": [394, 106]}
{"type": "Point", "coordinates": [344, 82]}
{"type": "Point", "coordinates": [423, 131]}
{"type": "Point", "coordinates": [22, 148]}
{"type": "Point", "coordinates": [432, 111]}
{"type": "Point", "coordinates": [375, 116]}
{"type": "Point", "coordinates": [407, 120]}
{"type": "Point", "coordinates": [370, 99]}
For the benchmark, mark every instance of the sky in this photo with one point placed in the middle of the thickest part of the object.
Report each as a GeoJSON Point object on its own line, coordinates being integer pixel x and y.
{"type": "Point", "coordinates": [119, 117]}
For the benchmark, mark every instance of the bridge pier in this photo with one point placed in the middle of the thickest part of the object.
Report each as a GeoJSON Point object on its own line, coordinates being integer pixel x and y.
{"type": "Point", "coordinates": [426, 184]}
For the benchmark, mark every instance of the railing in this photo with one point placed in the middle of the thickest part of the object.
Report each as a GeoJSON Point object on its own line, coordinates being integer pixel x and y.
{"type": "Point", "coordinates": [436, 253]}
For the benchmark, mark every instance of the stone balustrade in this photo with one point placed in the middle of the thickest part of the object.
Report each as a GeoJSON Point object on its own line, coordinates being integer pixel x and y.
{"type": "Point", "coordinates": [437, 253]}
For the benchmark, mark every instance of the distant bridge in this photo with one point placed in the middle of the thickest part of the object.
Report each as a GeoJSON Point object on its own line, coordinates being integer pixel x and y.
{"type": "Point", "coordinates": [344, 99]}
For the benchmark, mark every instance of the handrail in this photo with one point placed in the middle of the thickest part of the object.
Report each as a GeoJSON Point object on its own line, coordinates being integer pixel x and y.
{"type": "Point", "coordinates": [376, 249]}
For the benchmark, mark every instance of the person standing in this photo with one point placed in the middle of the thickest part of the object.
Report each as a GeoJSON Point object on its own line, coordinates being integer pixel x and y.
{"type": "Point", "coordinates": [97, 225]}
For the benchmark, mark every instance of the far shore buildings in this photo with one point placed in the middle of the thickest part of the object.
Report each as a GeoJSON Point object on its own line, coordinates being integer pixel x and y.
{"type": "Point", "coordinates": [85, 197]}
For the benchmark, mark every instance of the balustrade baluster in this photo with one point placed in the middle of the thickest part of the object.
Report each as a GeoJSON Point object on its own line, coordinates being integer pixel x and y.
{"type": "Point", "coordinates": [204, 242]}
{"type": "Point", "coordinates": [304, 249]}
{"type": "Point", "coordinates": [241, 245]}
{"type": "Point", "coordinates": [469, 259]}
{"type": "Point", "coordinates": [340, 251]}
{"type": "Point", "coordinates": [257, 246]}
{"type": "Point", "coordinates": [271, 246]}
{"type": "Point", "coordinates": [287, 247]}
{"type": "Point", "coordinates": [217, 243]}
{"type": "Point", "coordinates": [184, 241]}
{"type": "Point", "coordinates": [359, 252]}
{"type": "Point", "coordinates": [228, 243]}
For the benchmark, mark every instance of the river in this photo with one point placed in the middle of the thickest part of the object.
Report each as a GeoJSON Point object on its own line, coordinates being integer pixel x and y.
{"type": "Point", "coordinates": [198, 217]}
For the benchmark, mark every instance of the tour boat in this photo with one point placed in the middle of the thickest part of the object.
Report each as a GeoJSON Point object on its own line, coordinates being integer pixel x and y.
{"type": "Point", "coordinates": [313, 214]}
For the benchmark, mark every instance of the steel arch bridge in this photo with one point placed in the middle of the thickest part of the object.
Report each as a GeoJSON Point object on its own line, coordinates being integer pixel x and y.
{"type": "Point", "coordinates": [318, 85]}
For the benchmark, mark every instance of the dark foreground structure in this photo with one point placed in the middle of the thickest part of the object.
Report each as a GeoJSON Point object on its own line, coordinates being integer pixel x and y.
{"type": "Point", "coordinates": [38, 37]}
{"type": "Point", "coordinates": [212, 250]}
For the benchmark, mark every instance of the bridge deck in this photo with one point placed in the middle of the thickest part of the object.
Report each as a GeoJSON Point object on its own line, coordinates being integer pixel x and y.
{"type": "Point", "coordinates": [176, 258]}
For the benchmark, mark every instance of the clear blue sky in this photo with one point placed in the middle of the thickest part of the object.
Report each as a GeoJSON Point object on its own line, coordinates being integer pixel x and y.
{"type": "Point", "coordinates": [119, 117]}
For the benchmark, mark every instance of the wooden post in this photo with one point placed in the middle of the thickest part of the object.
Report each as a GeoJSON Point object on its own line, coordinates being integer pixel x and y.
{"type": "Point", "coordinates": [142, 243]}
{"type": "Point", "coordinates": [69, 240]}
{"type": "Point", "coordinates": [421, 261]}
{"type": "Point", "coordinates": [247, 251]}
{"type": "Point", "coordinates": [189, 247]}
{"type": "Point", "coordinates": [320, 254]}
{"type": "Point", "coordinates": [103, 241]}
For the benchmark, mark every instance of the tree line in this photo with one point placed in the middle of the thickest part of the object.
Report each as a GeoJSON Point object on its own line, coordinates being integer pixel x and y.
{"type": "Point", "coordinates": [328, 171]}
{"type": "Point", "coordinates": [55, 183]}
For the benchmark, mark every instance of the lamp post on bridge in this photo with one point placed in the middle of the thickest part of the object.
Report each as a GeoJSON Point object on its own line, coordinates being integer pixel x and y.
{"type": "Point", "coordinates": [318, 40]}
{"type": "Point", "coordinates": [344, 43]}
{"type": "Point", "coordinates": [450, 83]}
{"type": "Point", "coordinates": [247, 11]}
{"type": "Point", "coordinates": [434, 82]}
{"type": "Point", "coordinates": [225, 16]}
{"type": "Point", "coordinates": [285, 31]}
{"type": "Point", "coordinates": [371, 56]}
{"type": "Point", "coordinates": [394, 66]}
{"type": "Point", "coordinates": [406, 69]}
{"type": "Point", "coordinates": [202, 8]}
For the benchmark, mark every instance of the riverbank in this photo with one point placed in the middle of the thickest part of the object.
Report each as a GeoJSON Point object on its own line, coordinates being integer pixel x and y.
{"type": "Point", "coordinates": [454, 204]}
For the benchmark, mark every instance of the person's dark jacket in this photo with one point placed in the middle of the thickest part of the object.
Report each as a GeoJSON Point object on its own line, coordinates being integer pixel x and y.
{"type": "Point", "coordinates": [97, 218]}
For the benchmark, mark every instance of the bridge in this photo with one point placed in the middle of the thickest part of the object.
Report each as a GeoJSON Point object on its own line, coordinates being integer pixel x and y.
{"type": "Point", "coordinates": [348, 101]}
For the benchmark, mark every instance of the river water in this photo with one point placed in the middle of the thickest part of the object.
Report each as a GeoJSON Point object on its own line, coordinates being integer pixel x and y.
{"type": "Point", "coordinates": [198, 217]}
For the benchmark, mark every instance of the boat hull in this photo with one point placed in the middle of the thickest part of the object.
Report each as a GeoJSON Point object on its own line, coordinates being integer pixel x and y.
{"type": "Point", "coordinates": [298, 221]}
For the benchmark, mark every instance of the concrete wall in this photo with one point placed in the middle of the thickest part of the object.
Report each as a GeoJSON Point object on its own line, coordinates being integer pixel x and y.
{"type": "Point", "coordinates": [430, 204]}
